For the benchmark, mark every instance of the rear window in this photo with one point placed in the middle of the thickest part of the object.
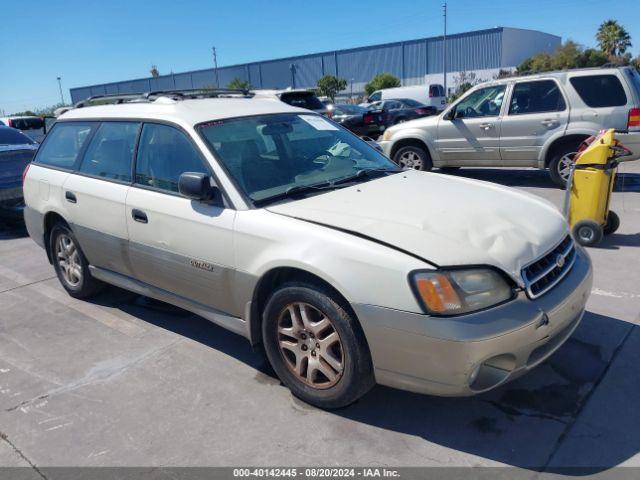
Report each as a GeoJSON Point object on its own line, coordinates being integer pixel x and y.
{"type": "Point", "coordinates": [411, 103]}
{"type": "Point", "coordinates": [436, 91]}
{"type": "Point", "coordinates": [600, 90]}
{"type": "Point", "coordinates": [27, 123]}
{"type": "Point", "coordinates": [302, 100]}
{"type": "Point", "coordinates": [9, 136]}
{"type": "Point", "coordinates": [63, 144]}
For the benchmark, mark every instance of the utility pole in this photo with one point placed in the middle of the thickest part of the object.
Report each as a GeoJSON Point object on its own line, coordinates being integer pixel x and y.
{"type": "Point", "coordinates": [444, 49]}
{"type": "Point", "coordinates": [60, 87]}
{"type": "Point", "coordinates": [292, 67]}
{"type": "Point", "coordinates": [215, 66]}
{"type": "Point", "coordinates": [351, 90]}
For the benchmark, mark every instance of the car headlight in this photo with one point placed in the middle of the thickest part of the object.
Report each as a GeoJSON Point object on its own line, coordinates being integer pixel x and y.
{"type": "Point", "coordinates": [454, 292]}
{"type": "Point", "coordinates": [386, 136]}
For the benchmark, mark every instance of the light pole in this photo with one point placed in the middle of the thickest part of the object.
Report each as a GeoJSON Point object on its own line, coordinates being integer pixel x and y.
{"type": "Point", "coordinates": [352, 89]}
{"type": "Point", "coordinates": [215, 65]}
{"type": "Point", "coordinates": [444, 48]}
{"type": "Point", "coordinates": [293, 68]}
{"type": "Point", "coordinates": [60, 88]}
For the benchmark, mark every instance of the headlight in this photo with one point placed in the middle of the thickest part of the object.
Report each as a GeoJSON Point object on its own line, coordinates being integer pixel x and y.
{"type": "Point", "coordinates": [454, 292]}
{"type": "Point", "coordinates": [386, 136]}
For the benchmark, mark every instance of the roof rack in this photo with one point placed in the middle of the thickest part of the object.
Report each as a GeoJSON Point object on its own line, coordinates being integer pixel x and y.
{"type": "Point", "coordinates": [173, 94]}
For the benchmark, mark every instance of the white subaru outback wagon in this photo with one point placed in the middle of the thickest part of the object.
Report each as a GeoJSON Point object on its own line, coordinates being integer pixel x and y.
{"type": "Point", "coordinates": [281, 226]}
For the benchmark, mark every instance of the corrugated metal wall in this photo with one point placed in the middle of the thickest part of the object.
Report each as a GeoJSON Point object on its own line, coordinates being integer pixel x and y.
{"type": "Point", "coordinates": [411, 61]}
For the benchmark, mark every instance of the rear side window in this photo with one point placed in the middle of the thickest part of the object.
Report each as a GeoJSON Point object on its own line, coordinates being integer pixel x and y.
{"type": "Point", "coordinates": [110, 153]}
{"type": "Point", "coordinates": [63, 144]}
{"type": "Point", "coordinates": [536, 97]}
{"type": "Point", "coordinates": [164, 154]}
{"type": "Point", "coordinates": [600, 90]}
{"type": "Point", "coordinates": [302, 100]}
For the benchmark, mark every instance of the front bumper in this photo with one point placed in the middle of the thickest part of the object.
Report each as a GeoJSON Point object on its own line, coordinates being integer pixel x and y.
{"type": "Point", "coordinates": [473, 353]}
{"type": "Point", "coordinates": [386, 147]}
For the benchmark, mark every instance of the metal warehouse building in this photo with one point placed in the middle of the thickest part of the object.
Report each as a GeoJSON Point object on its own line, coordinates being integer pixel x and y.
{"type": "Point", "coordinates": [415, 62]}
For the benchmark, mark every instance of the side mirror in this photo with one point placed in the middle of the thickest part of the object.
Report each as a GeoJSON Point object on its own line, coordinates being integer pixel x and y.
{"type": "Point", "coordinates": [197, 186]}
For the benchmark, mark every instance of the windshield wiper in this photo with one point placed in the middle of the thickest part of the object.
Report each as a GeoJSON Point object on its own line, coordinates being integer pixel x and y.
{"type": "Point", "coordinates": [298, 189]}
{"type": "Point", "coordinates": [367, 173]}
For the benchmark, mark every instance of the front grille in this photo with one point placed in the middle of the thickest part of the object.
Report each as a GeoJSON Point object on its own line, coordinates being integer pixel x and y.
{"type": "Point", "coordinates": [543, 274]}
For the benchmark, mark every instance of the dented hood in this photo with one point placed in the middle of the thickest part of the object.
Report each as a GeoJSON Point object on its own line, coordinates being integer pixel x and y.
{"type": "Point", "coordinates": [446, 220]}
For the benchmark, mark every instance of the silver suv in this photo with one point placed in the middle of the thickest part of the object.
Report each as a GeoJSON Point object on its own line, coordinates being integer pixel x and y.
{"type": "Point", "coordinates": [532, 121]}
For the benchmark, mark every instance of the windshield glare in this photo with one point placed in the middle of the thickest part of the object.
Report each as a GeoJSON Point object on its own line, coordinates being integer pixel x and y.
{"type": "Point", "coordinates": [269, 154]}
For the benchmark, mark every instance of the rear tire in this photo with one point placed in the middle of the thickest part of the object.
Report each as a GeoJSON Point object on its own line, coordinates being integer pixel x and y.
{"type": "Point", "coordinates": [559, 166]}
{"type": "Point", "coordinates": [613, 223]}
{"type": "Point", "coordinates": [70, 264]}
{"type": "Point", "coordinates": [587, 233]}
{"type": "Point", "coordinates": [315, 346]}
{"type": "Point", "coordinates": [413, 157]}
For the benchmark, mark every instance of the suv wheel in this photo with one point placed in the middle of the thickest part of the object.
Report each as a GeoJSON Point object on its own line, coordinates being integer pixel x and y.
{"type": "Point", "coordinates": [560, 165]}
{"type": "Point", "coordinates": [315, 346]}
{"type": "Point", "coordinates": [413, 157]}
{"type": "Point", "coordinates": [70, 264]}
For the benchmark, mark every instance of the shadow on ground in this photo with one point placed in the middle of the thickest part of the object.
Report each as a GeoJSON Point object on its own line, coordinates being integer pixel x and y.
{"type": "Point", "coordinates": [625, 182]}
{"type": "Point", "coordinates": [519, 424]}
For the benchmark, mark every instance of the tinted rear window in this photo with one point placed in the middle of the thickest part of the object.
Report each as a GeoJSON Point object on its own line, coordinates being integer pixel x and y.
{"type": "Point", "coordinates": [302, 100]}
{"type": "Point", "coordinates": [600, 90]}
{"type": "Point", "coordinates": [8, 136]}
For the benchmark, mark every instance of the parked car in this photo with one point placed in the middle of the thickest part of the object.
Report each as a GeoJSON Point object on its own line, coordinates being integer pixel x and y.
{"type": "Point", "coordinates": [282, 226]}
{"type": "Point", "coordinates": [530, 121]}
{"type": "Point", "coordinates": [298, 98]}
{"type": "Point", "coordinates": [358, 119]}
{"type": "Point", "coordinates": [400, 110]}
{"type": "Point", "coordinates": [31, 126]}
{"type": "Point", "coordinates": [16, 151]}
{"type": "Point", "coordinates": [431, 95]}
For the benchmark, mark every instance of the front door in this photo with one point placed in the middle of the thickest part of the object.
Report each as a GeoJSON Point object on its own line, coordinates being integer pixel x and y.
{"type": "Point", "coordinates": [537, 110]}
{"type": "Point", "coordinates": [472, 136]}
{"type": "Point", "coordinates": [95, 195]}
{"type": "Point", "coordinates": [176, 244]}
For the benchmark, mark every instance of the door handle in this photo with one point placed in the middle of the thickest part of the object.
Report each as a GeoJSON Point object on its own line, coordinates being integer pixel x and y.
{"type": "Point", "coordinates": [70, 197]}
{"type": "Point", "coordinates": [486, 126]}
{"type": "Point", "coordinates": [139, 216]}
{"type": "Point", "coordinates": [549, 122]}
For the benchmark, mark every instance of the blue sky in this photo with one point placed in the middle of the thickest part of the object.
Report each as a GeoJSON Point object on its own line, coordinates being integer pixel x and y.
{"type": "Point", "coordinates": [89, 41]}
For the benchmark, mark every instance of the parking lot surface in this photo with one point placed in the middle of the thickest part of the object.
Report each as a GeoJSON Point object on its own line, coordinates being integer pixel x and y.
{"type": "Point", "coordinates": [126, 381]}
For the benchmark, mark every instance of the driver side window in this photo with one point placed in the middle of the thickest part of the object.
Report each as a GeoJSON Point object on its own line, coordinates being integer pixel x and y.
{"type": "Point", "coordinates": [485, 102]}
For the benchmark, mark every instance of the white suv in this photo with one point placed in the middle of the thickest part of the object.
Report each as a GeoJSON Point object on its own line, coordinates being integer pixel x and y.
{"type": "Point", "coordinates": [531, 121]}
{"type": "Point", "coordinates": [278, 224]}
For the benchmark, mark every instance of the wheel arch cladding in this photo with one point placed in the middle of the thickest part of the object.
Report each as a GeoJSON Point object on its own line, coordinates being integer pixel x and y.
{"type": "Point", "coordinates": [560, 143]}
{"type": "Point", "coordinates": [51, 219]}
{"type": "Point", "coordinates": [277, 277]}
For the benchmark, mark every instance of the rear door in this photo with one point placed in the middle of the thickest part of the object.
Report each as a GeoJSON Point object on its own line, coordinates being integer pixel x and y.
{"type": "Point", "coordinates": [472, 136]}
{"type": "Point", "coordinates": [537, 110]}
{"type": "Point", "coordinates": [176, 244]}
{"type": "Point", "coordinates": [96, 192]}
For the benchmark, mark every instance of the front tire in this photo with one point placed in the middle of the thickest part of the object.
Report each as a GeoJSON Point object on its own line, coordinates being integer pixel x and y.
{"type": "Point", "coordinates": [315, 346]}
{"type": "Point", "coordinates": [587, 232]}
{"type": "Point", "coordinates": [70, 264]}
{"type": "Point", "coordinates": [413, 157]}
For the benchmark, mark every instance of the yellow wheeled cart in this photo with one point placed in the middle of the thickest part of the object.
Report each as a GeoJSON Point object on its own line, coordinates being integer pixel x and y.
{"type": "Point", "coordinates": [590, 186]}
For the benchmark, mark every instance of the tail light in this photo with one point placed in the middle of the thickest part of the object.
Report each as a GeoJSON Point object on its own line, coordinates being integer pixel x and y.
{"type": "Point", "coordinates": [329, 113]}
{"type": "Point", "coordinates": [24, 173]}
{"type": "Point", "coordinates": [10, 123]}
{"type": "Point", "coordinates": [431, 95]}
{"type": "Point", "coordinates": [634, 119]}
{"type": "Point", "coordinates": [368, 119]}
{"type": "Point", "coordinates": [422, 111]}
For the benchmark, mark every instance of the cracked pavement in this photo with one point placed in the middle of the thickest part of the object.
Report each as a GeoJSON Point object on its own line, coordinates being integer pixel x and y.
{"type": "Point", "coordinates": [127, 381]}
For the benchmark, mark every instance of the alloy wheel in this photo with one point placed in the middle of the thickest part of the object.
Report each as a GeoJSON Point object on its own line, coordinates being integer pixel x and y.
{"type": "Point", "coordinates": [310, 345]}
{"type": "Point", "coordinates": [410, 159]}
{"type": "Point", "coordinates": [68, 258]}
{"type": "Point", "coordinates": [564, 165]}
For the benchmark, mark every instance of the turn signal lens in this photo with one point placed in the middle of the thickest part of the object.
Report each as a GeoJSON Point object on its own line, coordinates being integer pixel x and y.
{"type": "Point", "coordinates": [461, 291]}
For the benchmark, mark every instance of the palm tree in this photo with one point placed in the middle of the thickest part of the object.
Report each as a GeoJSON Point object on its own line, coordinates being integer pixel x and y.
{"type": "Point", "coordinates": [613, 38]}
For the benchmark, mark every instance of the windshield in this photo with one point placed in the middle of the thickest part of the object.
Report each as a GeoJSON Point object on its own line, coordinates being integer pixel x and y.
{"type": "Point", "coordinates": [348, 110]}
{"type": "Point", "coordinates": [268, 155]}
{"type": "Point", "coordinates": [9, 136]}
{"type": "Point", "coordinates": [412, 103]}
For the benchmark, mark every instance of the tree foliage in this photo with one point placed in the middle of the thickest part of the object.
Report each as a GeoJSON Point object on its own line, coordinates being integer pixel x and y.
{"type": "Point", "coordinates": [568, 55]}
{"type": "Point", "coordinates": [612, 38]}
{"type": "Point", "coordinates": [239, 84]}
{"type": "Point", "coordinates": [381, 81]}
{"type": "Point", "coordinates": [154, 71]}
{"type": "Point", "coordinates": [330, 85]}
